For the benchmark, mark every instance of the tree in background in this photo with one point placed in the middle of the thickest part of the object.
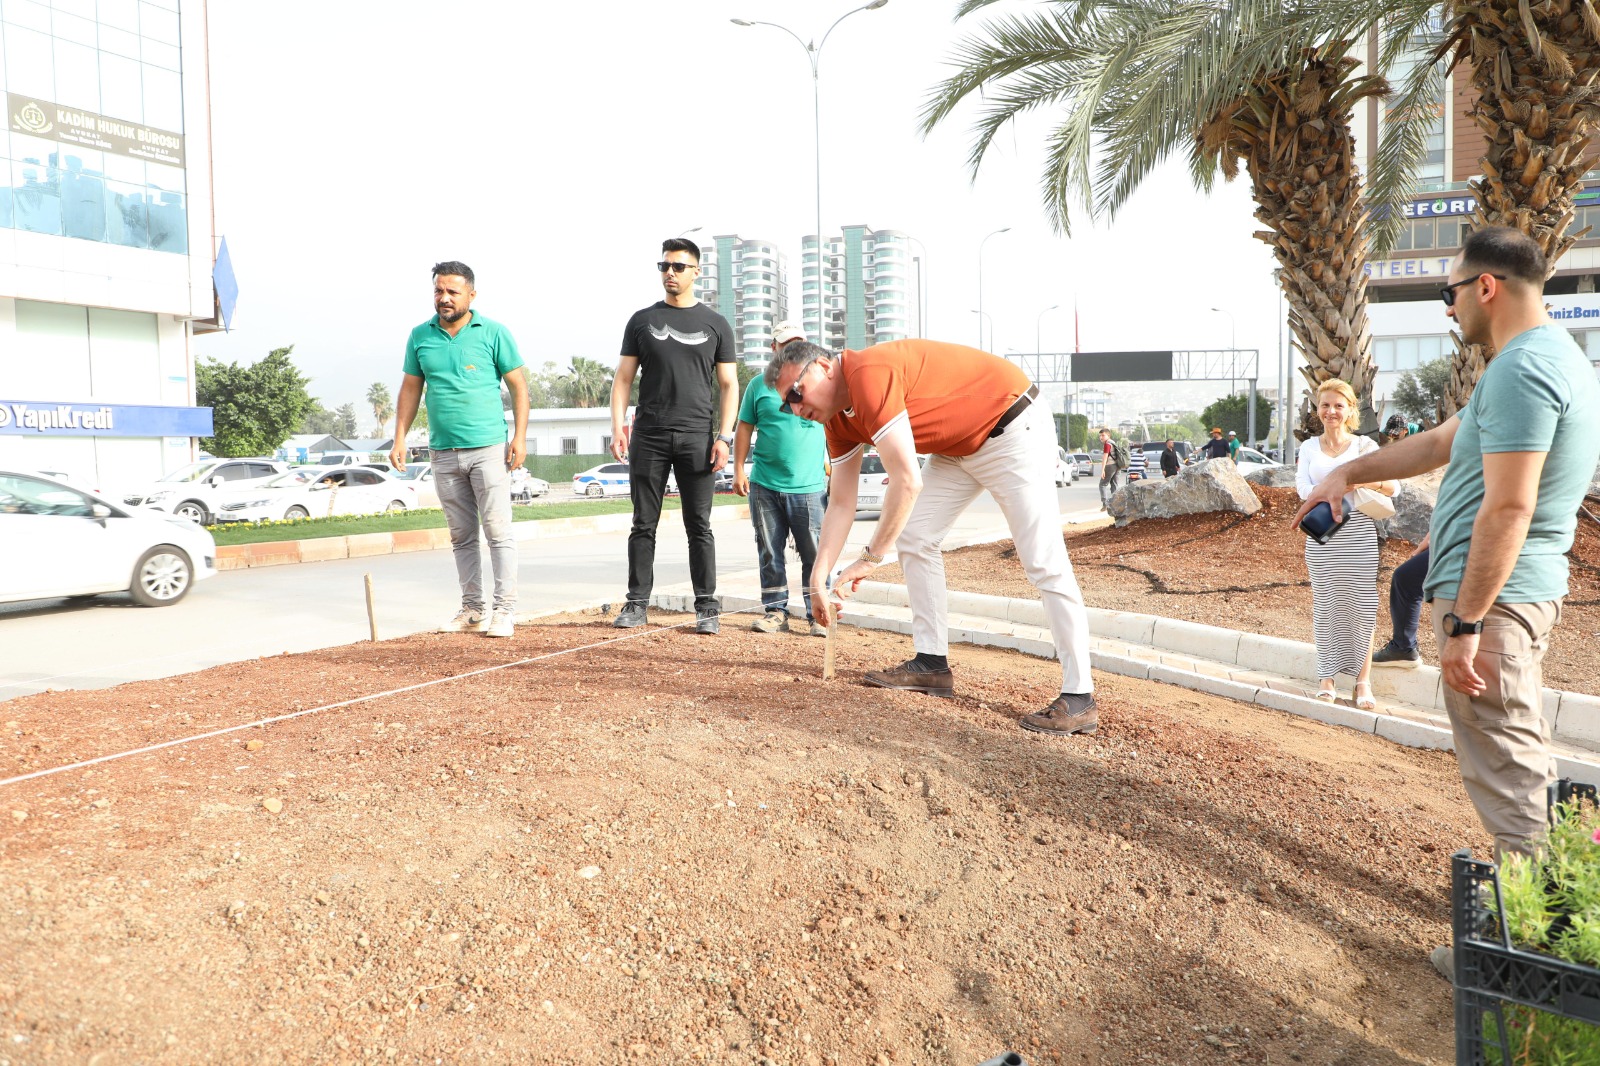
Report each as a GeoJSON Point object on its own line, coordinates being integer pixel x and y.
{"type": "Point", "coordinates": [588, 384]}
{"type": "Point", "coordinates": [1072, 432]}
{"type": "Point", "coordinates": [1419, 395]}
{"type": "Point", "coordinates": [254, 409]}
{"type": "Point", "coordinates": [319, 420]}
{"type": "Point", "coordinates": [382, 405]}
{"type": "Point", "coordinates": [345, 422]}
{"type": "Point", "coordinates": [542, 390]}
{"type": "Point", "coordinates": [1232, 412]}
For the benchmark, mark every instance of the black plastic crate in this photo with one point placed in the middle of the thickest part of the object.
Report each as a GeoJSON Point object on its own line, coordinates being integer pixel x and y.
{"type": "Point", "coordinates": [1490, 972]}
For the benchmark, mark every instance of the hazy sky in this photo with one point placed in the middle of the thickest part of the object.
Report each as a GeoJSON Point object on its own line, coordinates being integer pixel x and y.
{"type": "Point", "coordinates": [552, 147]}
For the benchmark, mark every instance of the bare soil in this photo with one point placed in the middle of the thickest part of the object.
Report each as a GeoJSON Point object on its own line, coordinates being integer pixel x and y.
{"type": "Point", "coordinates": [1249, 573]}
{"type": "Point", "coordinates": [674, 848]}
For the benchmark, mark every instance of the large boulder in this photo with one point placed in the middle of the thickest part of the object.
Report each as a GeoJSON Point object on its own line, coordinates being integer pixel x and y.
{"type": "Point", "coordinates": [1209, 485]}
{"type": "Point", "coordinates": [1273, 477]}
{"type": "Point", "coordinates": [1413, 511]}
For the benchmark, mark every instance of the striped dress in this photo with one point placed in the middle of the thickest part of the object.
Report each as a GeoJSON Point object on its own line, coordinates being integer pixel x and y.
{"type": "Point", "coordinates": [1344, 571]}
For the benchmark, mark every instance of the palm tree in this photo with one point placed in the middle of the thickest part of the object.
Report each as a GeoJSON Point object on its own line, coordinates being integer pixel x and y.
{"type": "Point", "coordinates": [382, 405]}
{"type": "Point", "coordinates": [588, 383]}
{"type": "Point", "coordinates": [1265, 83]}
{"type": "Point", "coordinates": [1535, 68]}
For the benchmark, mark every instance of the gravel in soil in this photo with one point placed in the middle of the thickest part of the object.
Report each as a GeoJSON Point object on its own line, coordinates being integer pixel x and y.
{"type": "Point", "coordinates": [672, 848]}
{"type": "Point", "coordinates": [1249, 573]}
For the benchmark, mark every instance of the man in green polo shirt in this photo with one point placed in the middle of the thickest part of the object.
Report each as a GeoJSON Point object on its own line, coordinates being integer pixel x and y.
{"type": "Point", "coordinates": [785, 487]}
{"type": "Point", "coordinates": [461, 358]}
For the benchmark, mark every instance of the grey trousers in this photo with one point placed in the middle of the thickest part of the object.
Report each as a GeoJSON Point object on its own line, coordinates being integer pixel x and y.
{"type": "Point", "coordinates": [475, 491]}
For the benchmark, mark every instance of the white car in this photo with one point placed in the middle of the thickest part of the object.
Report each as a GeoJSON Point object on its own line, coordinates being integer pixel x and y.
{"type": "Point", "coordinates": [1085, 463]}
{"type": "Point", "coordinates": [318, 492]}
{"type": "Point", "coordinates": [524, 486]}
{"type": "Point", "coordinates": [420, 477]}
{"type": "Point", "coordinates": [78, 544]}
{"type": "Point", "coordinates": [194, 491]}
{"type": "Point", "coordinates": [607, 479]}
{"type": "Point", "coordinates": [872, 484]}
{"type": "Point", "coordinates": [1247, 459]}
{"type": "Point", "coordinates": [1066, 468]}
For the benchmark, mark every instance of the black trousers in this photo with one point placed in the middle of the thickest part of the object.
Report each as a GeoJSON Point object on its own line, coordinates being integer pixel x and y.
{"type": "Point", "coordinates": [1405, 599]}
{"type": "Point", "coordinates": [652, 453]}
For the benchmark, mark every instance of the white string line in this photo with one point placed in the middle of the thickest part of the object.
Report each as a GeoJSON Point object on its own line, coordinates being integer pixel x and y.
{"type": "Point", "coordinates": [350, 702]}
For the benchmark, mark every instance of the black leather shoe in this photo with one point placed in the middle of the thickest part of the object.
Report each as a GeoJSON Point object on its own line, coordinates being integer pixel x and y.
{"type": "Point", "coordinates": [632, 614]}
{"type": "Point", "coordinates": [708, 620]}
{"type": "Point", "coordinates": [909, 677]}
{"type": "Point", "coordinates": [1066, 715]}
{"type": "Point", "coordinates": [1392, 654]}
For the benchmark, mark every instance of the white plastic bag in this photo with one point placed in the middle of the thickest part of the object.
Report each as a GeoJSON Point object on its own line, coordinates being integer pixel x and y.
{"type": "Point", "coordinates": [1375, 505]}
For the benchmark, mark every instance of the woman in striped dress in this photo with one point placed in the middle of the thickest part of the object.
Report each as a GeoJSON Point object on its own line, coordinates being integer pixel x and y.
{"type": "Point", "coordinates": [1344, 571]}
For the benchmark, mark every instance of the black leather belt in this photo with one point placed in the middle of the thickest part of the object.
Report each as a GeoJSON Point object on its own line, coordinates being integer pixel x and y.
{"type": "Point", "coordinates": [1014, 410]}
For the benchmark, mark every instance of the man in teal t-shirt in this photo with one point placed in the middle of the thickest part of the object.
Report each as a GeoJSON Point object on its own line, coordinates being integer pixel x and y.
{"type": "Point", "coordinates": [785, 486]}
{"type": "Point", "coordinates": [1520, 454]}
{"type": "Point", "coordinates": [461, 358]}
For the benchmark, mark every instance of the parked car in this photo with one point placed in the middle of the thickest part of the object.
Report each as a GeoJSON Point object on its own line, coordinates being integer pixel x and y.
{"type": "Point", "coordinates": [319, 492]}
{"type": "Point", "coordinates": [343, 459]}
{"type": "Point", "coordinates": [607, 479]}
{"type": "Point", "coordinates": [78, 544]}
{"type": "Point", "coordinates": [1247, 459]}
{"type": "Point", "coordinates": [193, 491]}
{"type": "Point", "coordinates": [872, 483]}
{"type": "Point", "coordinates": [1066, 468]}
{"type": "Point", "coordinates": [1085, 463]}
{"type": "Point", "coordinates": [524, 486]}
{"type": "Point", "coordinates": [1148, 456]}
{"type": "Point", "coordinates": [419, 475]}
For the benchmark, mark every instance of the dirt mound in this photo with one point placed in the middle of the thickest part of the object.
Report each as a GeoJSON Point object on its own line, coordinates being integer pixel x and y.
{"type": "Point", "coordinates": [681, 849]}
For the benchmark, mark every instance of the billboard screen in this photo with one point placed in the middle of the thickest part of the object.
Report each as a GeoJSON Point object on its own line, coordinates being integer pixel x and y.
{"type": "Point", "coordinates": [1122, 366]}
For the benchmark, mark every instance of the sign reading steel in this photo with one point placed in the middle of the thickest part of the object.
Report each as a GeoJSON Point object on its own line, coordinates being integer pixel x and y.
{"type": "Point", "coordinates": [103, 420]}
{"type": "Point", "coordinates": [70, 125]}
{"type": "Point", "coordinates": [1122, 366]}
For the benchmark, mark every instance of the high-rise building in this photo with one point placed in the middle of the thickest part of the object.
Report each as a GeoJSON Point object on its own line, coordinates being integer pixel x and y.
{"type": "Point", "coordinates": [744, 280]}
{"type": "Point", "coordinates": [867, 287]}
{"type": "Point", "coordinates": [1407, 319]}
{"type": "Point", "coordinates": [106, 247]}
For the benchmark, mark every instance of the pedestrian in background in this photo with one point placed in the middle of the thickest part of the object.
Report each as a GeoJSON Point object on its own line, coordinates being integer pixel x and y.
{"type": "Point", "coordinates": [1113, 464]}
{"type": "Point", "coordinates": [1169, 459]}
{"type": "Point", "coordinates": [786, 488]}
{"type": "Point", "coordinates": [683, 354]}
{"type": "Point", "coordinates": [1233, 445]}
{"type": "Point", "coordinates": [461, 358]}
{"type": "Point", "coordinates": [1216, 447]}
{"type": "Point", "coordinates": [1344, 571]}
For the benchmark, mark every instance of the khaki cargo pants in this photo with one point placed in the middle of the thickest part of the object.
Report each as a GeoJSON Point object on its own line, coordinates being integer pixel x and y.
{"type": "Point", "coordinates": [1502, 741]}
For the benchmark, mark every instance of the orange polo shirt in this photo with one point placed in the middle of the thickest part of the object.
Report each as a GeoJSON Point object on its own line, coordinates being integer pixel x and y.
{"type": "Point", "coordinates": [950, 394]}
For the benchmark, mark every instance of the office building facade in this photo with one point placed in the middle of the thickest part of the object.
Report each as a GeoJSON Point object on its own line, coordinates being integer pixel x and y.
{"type": "Point", "coordinates": [106, 248]}
{"type": "Point", "coordinates": [865, 280]}
{"type": "Point", "coordinates": [746, 281]}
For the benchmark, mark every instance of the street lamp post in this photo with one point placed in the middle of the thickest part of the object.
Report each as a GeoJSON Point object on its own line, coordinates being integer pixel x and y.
{"type": "Point", "coordinates": [814, 54]}
{"type": "Point", "coordinates": [1038, 345]}
{"type": "Point", "coordinates": [1002, 229]}
{"type": "Point", "coordinates": [691, 229]}
{"type": "Point", "coordinates": [981, 316]}
{"type": "Point", "coordinates": [921, 282]}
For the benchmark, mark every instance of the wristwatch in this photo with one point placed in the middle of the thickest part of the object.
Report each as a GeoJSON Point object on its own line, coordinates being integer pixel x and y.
{"type": "Point", "coordinates": [1455, 627]}
{"type": "Point", "coordinates": [726, 438]}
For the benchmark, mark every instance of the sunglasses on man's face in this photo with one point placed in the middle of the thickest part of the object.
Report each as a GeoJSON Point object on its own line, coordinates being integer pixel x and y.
{"type": "Point", "coordinates": [1447, 293]}
{"type": "Point", "coordinates": [676, 268]}
{"type": "Point", "coordinates": [795, 395]}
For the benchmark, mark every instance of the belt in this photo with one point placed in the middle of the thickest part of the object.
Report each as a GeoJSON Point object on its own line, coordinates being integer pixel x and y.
{"type": "Point", "coordinates": [1014, 410]}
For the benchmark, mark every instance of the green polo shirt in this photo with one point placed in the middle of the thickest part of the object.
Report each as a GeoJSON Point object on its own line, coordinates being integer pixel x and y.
{"type": "Point", "coordinates": [461, 376]}
{"type": "Point", "coordinates": [789, 452]}
{"type": "Point", "coordinates": [1538, 395]}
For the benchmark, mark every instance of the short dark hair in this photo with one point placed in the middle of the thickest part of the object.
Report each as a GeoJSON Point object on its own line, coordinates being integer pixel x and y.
{"type": "Point", "coordinates": [451, 266]}
{"type": "Point", "coordinates": [681, 244]}
{"type": "Point", "coordinates": [1508, 251]}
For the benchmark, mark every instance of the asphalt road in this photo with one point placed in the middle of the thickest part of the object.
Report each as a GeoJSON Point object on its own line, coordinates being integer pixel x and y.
{"type": "Point", "coordinates": [246, 614]}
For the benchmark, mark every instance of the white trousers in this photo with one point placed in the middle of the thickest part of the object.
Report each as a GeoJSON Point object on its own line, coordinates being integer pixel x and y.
{"type": "Point", "coordinates": [1017, 468]}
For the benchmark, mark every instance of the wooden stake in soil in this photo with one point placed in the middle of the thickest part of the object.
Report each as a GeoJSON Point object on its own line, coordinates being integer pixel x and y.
{"type": "Point", "coordinates": [827, 647]}
{"type": "Point", "coordinates": [372, 618]}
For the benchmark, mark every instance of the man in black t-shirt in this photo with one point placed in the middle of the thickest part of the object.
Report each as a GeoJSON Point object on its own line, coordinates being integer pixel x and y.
{"type": "Point", "coordinates": [688, 399]}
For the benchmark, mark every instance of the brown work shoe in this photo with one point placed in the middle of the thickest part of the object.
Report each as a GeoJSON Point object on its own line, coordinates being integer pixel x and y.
{"type": "Point", "coordinates": [909, 677]}
{"type": "Point", "coordinates": [1067, 714]}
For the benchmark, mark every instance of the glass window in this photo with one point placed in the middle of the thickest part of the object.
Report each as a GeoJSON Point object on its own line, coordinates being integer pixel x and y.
{"type": "Point", "coordinates": [1383, 352]}
{"type": "Point", "coordinates": [122, 14]}
{"type": "Point", "coordinates": [36, 197]}
{"type": "Point", "coordinates": [161, 55]}
{"type": "Point", "coordinates": [28, 63]}
{"type": "Point", "coordinates": [83, 198]}
{"type": "Point", "coordinates": [119, 42]}
{"type": "Point", "coordinates": [84, 9]}
{"type": "Point", "coordinates": [77, 76]}
{"type": "Point", "coordinates": [28, 13]}
{"type": "Point", "coordinates": [72, 28]}
{"type": "Point", "coordinates": [121, 88]}
{"type": "Point", "coordinates": [569, 446]}
{"type": "Point", "coordinates": [1405, 353]}
{"type": "Point", "coordinates": [163, 99]}
{"type": "Point", "coordinates": [158, 24]}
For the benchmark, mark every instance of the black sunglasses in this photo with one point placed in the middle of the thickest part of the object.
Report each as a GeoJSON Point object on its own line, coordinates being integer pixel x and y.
{"type": "Point", "coordinates": [676, 268]}
{"type": "Point", "coordinates": [794, 395]}
{"type": "Point", "coordinates": [1447, 293]}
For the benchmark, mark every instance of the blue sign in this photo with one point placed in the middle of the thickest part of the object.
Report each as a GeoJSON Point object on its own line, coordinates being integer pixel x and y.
{"type": "Point", "coordinates": [226, 285]}
{"type": "Point", "coordinates": [102, 420]}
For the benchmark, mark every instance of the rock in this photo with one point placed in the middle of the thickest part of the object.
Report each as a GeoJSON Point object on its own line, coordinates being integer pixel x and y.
{"type": "Point", "coordinates": [252, 745]}
{"type": "Point", "coordinates": [1209, 485]}
{"type": "Point", "coordinates": [19, 816]}
{"type": "Point", "coordinates": [589, 873]}
{"type": "Point", "coordinates": [1413, 512]}
{"type": "Point", "coordinates": [1272, 477]}
{"type": "Point", "coordinates": [272, 805]}
{"type": "Point", "coordinates": [100, 804]}
{"type": "Point", "coordinates": [322, 897]}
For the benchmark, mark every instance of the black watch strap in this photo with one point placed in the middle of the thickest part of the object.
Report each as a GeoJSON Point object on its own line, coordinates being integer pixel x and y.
{"type": "Point", "coordinates": [1455, 627]}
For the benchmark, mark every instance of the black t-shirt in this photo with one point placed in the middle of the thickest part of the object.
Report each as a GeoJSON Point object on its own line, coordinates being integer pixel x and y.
{"type": "Point", "coordinates": [1216, 448]}
{"type": "Point", "coordinates": [678, 349]}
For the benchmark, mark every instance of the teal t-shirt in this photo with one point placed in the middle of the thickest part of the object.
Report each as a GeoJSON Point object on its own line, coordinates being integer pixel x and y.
{"type": "Point", "coordinates": [1539, 395]}
{"type": "Point", "coordinates": [789, 452]}
{"type": "Point", "coordinates": [461, 378]}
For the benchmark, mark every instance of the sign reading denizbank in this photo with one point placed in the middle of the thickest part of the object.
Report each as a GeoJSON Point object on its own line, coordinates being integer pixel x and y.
{"type": "Point", "coordinates": [103, 420]}
{"type": "Point", "coordinates": [71, 125]}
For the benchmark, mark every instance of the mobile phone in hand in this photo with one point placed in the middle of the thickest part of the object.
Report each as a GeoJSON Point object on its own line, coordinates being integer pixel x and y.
{"type": "Point", "coordinates": [1319, 525]}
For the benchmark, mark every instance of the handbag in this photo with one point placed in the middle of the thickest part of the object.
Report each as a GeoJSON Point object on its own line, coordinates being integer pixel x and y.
{"type": "Point", "coordinates": [1375, 505]}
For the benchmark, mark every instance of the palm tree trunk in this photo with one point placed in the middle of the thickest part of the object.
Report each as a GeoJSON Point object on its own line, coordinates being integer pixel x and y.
{"type": "Point", "coordinates": [1295, 138]}
{"type": "Point", "coordinates": [1534, 71]}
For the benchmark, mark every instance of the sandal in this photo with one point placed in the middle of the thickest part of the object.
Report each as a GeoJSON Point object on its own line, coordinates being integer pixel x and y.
{"type": "Point", "coordinates": [1327, 695]}
{"type": "Point", "coordinates": [1365, 702]}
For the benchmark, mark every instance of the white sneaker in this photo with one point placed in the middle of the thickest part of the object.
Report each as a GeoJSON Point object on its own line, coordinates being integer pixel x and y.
{"type": "Point", "coordinates": [501, 624]}
{"type": "Point", "coordinates": [466, 620]}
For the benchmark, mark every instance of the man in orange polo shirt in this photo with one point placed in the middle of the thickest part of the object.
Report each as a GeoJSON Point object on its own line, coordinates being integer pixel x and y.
{"type": "Point", "coordinates": [973, 415]}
